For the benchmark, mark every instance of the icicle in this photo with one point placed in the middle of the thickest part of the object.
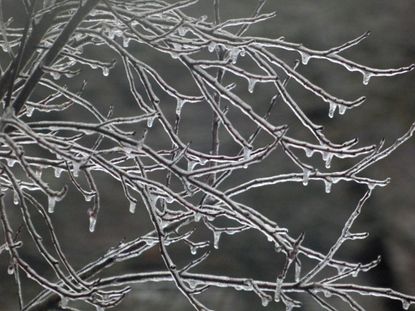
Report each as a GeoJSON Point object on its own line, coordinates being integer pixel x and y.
{"type": "Point", "coordinates": [55, 75]}
{"type": "Point", "coordinates": [193, 250]}
{"type": "Point", "coordinates": [342, 109]}
{"type": "Point", "coordinates": [11, 162]}
{"type": "Point", "coordinates": [15, 198]}
{"type": "Point", "coordinates": [51, 204]}
{"type": "Point", "coordinates": [326, 293]}
{"type": "Point", "coordinates": [371, 186]}
{"type": "Point", "coordinates": [297, 273]}
{"type": "Point", "coordinates": [182, 31]}
{"type": "Point", "coordinates": [309, 152]}
{"type": "Point", "coordinates": [58, 172]}
{"type": "Point", "coordinates": [133, 205]}
{"type": "Point", "coordinates": [251, 85]}
{"type": "Point", "coordinates": [332, 109]}
{"type": "Point", "coordinates": [105, 71]}
{"type": "Point", "coordinates": [126, 41]}
{"type": "Point", "coordinates": [197, 217]}
{"type": "Point", "coordinates": [92, 222]}
{"type": "Point", "coordinates": [247, 152]}
{"type": "Point", "coordinates": [305, 57]}
{"type": "Point", "coordinates": [179, 106]}
{"type": "Point", "coordinates": [328, 159]}
{"type": "Point", "coordinates": [76, 167]}
{"type": "Point", "coordinates": [64, 302]}
{"type": "Point", "coordinates": [233, 55]}
{"type": "Point", "coordinates": [327, 185]}
{"type": "Point", "coordinates": [216, 238]}
{"type": "Point", "coordinates": [191, 165]}
{"type": "Point", "coordinates": [405, 304]}
{"type": "Point", "coordinates": [89, 197]}
{"type": "Point", "coordinates": [29, 111]}
{"type": "Point", "coordinates": [278, 287]}
{"type": "Point", "coordinates": [265, 300]}
{"type": "Point", "coordinates": [10, 269]}
{"type": "Point", "coordinates": [150, 121]}
{"type": "Point", "coordinates": [366, 78]}
{"type": "Point", "coordinates": [212, 47]}
{"type": "Point", "coordinates": [355, 273]}
{"type": "Point", "coordinates": [306, 176]}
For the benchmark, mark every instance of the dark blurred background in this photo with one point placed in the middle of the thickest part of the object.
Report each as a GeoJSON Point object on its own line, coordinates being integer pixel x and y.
{"type": "Point", "coordinates": [389, 110]}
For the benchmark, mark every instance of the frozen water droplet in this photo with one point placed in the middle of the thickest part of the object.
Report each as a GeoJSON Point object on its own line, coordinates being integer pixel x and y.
{"type": "Point", "coordinates": [342, 109]}
{"type": "Point", "coordinates": [89, 197]}
{"type": "Point", "coordinates": [306, 176]}
{"type": "Point", "coordinates": [179, 106]}
{"type": "Point", "coordinates": [305, 57]}
{"type": "Point", "coordinates": [105, 71]}
{"type": "Point", "coordinates": [327, 185]}
{"type": "Point", "coordinates": [29, 111]}
{"type": "Point", "coordinates": [326, 293]}
{"type": "Point", "coordinates": [133, 206]}
{"type": "Point", "coordinates": [366, 78]}
{"type": "Point", "coordinates": [216, 238]}
{"type": "Point", "coordinates": [51, 204]}
{"type": "Point", "coordinates": [150, 121]}
{"type": "Point", "coordinates": [355, 273]}
{"type": "Point", "coordinates": [11, 162]}
{"type": "Point", "coordinates": [332, 109]}
{"type": "Point", "coordinates": [193, 250]}
{"type": "Point", "coordinates": [371, 186]}
{"type": "Point", "coordinates": [251, 85]}
{"type": "Point", "coordinates": [92, 222]}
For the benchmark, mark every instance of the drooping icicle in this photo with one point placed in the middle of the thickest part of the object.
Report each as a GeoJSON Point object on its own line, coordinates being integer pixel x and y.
{"type": "Point", "coordinates": [191, 165]}
{"type": "Point", "coordinates": [265, 300]}
{"type": "Point", "coordinates": [405, 304]}
{"type": "Point", "coordinates": [197, 217]}
{"type": "Point", "coordinates": [76, 167]}
{"type": "Point", "coordinates": [15, 198]}
{"type": "Point", "coordinates": [251, 85]}
{"type": "Point", "coordinates": [29, 111]}
{"type": "Point", "coordinates": [247, 152]}
{"type": "Point", "coordinates": [306, 176]}
{"type": "Point", "coordinates": [216, 238]}
{"type": "Point", "coordinates": [212, 47]}
{"type": "Point", "coordinates": [342, 109]}
{"type": "Point", "coordinates": [179, 106]}
{"type": "Point", "coordinates": [55, 75]}
{"type": "Point", "coordinates": [105, 71]}
{"type": "Point", "coordinates": [328, 159]}
{"type": "Point", "coordinates": [10, 269]}
{"type": "Point", "coordinates": [278, 287]}
{"type": "Point", "coordinates": [309, 152]}
{"type": "Point", "coordinates": [297, 273]}
{"type": "Point", "coordinates": [332, 109]}
{"type": "Point", "coordinates": [305, 57]}
{"type": "Point", "coordinates": [132, 207]}
{"type": "Point", "coordinates": [366, 78]}
{"type": "Point", "coordinates": [51, 204]}
{"type": "Point", "coordinates": [57, 172]}
{"type": "Point", "coordinates": [150, 121]}
{"type": "Point", "coordinates": [11, 162]}
{"type": "Point", "coordinates": [126, 41]}
{"type": "Point", "coordinates": [92, 222]}
{"type": "Point", "coordinates": [233, 55]}
{"type": "Point", "coordinates": [327, 185]}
